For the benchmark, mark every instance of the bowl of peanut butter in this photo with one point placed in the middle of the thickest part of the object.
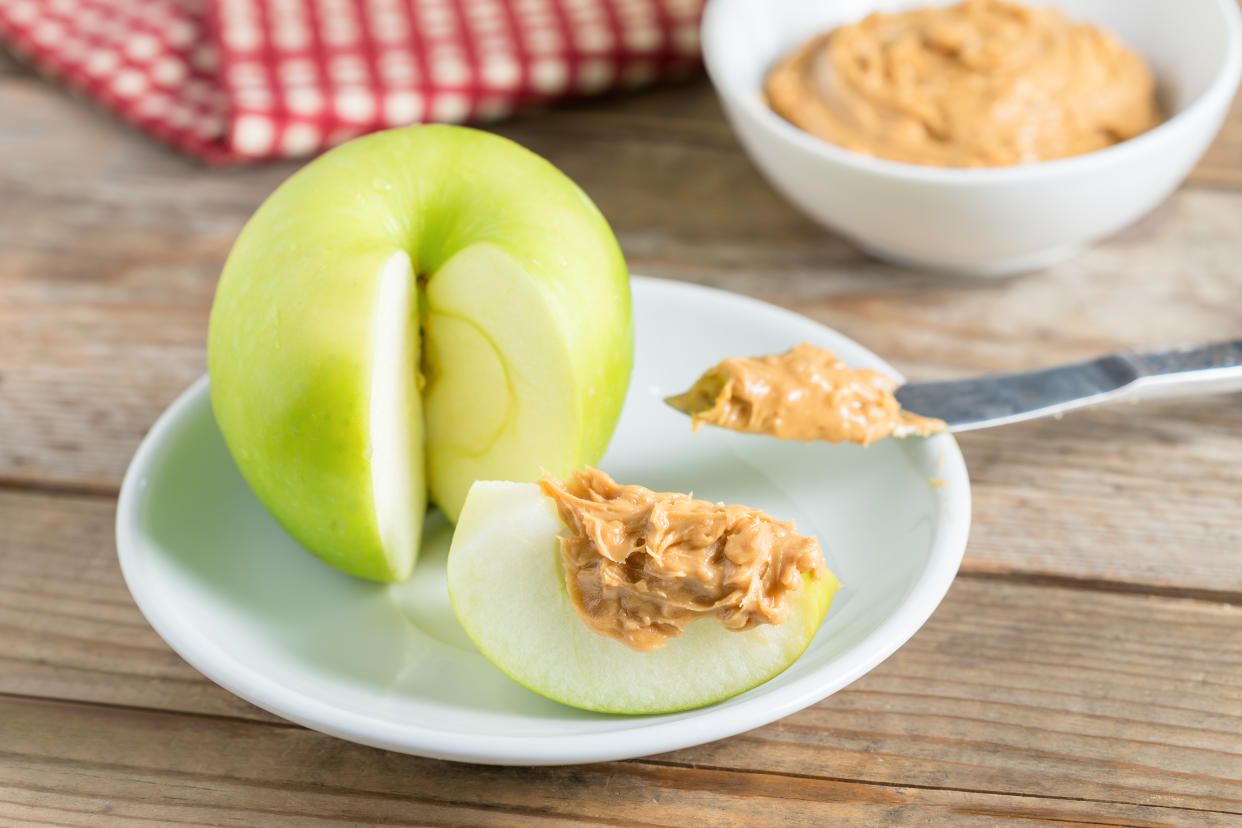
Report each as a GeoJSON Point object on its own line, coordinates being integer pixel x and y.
{"type": "Point", "coordinates": [984, 137]}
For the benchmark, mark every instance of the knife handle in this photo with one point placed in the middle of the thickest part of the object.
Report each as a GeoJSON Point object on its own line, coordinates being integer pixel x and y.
{"type": "Point", "coordinates": [1215, 368]}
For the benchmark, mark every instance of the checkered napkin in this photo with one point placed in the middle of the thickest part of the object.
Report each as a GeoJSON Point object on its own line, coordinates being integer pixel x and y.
{"type": "Point", "coordinates": [231, 80]}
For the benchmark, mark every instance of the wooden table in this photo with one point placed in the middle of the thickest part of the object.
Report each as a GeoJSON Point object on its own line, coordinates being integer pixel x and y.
{"type": "Point", "coordinates": [1086, 667]}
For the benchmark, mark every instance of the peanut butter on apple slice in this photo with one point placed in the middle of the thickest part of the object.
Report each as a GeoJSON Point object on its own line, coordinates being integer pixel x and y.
{"type": "Point", "coordinates": [641, 565]}
{"type": "Point", "coordinates": [806, 393]}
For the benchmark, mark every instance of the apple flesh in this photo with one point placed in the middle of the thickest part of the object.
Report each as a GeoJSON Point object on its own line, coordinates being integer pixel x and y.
{"type": "Point", "coordinates": [415, 310]}
{"type": "Point", "coordinates": [507, 585]}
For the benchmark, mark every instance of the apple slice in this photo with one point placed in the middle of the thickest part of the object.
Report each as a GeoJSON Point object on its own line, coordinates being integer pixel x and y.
{"type": "Point", "coordinates": [507, 585]}
{"type": "Point", "coordinates": [412, 311]}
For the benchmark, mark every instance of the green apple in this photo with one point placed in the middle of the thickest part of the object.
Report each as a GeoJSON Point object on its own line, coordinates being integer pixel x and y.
{"type": "Point", "coordinates": [507, 585]}
{"type": "Point", "coordinates": [413, 311]}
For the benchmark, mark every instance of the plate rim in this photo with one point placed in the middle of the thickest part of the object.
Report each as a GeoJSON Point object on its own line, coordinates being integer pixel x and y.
{"type": "Point", "coordinates": [659, 734]}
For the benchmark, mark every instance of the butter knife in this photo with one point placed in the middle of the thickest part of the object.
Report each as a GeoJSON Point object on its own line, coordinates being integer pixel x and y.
{"type": "Point", "coordinates": [1000, 399]}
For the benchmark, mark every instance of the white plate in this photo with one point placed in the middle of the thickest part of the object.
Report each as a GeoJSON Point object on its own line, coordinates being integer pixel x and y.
{"type": "Point", "coordinates": [389, 666]}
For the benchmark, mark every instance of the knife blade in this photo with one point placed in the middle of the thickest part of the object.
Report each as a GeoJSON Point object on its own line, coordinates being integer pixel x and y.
{"type": "Point", "coordinates": [1001, 399]}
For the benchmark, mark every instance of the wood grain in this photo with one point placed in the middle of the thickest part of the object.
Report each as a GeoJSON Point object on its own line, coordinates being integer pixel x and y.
{"type": "Point", "coordinates": [70, 629]}
{"type": "Point", "coordinates": [1222, 165]}
{"type": "Point", "coordinates": [1063, 681]}
{"type": "Point", "coordinates": [1009, 689]}
{"type": "Point", "coordinates": [66, 762]}
{"type": "Point", "coordinates": [10, 65]}
{"type": "Point", "coordinates": [1035, 690]}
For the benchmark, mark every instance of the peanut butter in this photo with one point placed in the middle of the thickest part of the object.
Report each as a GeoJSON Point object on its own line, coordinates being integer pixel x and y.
{"type": "Point", "coordinates": [979, 84]}
{"type": "Point", "coordinates": [641, 565]}
{"type": "Point", "coordinates": [806, 393]}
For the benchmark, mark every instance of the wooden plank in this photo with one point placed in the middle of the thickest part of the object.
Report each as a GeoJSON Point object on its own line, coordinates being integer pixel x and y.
{"type": "Point", "coordinates": [68, 626]}
{"type": "Point", "coordinates": [11, 65]}
{"type": "Point", "coordinates": [1136, 497]}
{"type": "Point", "coordinates": [1035, 690]}
{"type": "Point", "coordinates": [66, 762]}
{"type": "Point", "coordinates": [1222, 164]}
{"type": "Point", "coordinates": [1010, 689]}
{"type": "Point", "coordinates": [112, 247]}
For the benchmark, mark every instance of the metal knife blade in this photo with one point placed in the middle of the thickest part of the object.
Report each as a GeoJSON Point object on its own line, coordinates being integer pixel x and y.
{"type": "Point", "coordinates": [1000, 399]}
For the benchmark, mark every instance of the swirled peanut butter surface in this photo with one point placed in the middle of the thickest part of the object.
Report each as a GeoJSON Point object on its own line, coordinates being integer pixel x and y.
{"type": "Point", "coordinates": [806, 393]}
{"type": "Point", "coordinates": [641, 565]}
{"type": "Point", "coordinates": [980, 83]}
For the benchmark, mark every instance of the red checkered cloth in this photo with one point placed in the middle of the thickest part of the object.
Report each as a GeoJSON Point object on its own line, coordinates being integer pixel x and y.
{"type": "Point", "coordinates": [229, 80]}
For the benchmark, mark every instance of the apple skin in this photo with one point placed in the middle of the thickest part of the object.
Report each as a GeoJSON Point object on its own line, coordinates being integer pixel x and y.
{"type": "Point", "coordinates": [506, 582]}
{"type": "Point", "coordinates": [441, 230]}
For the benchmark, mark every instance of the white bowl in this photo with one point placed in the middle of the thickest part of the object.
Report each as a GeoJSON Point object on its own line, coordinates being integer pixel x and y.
{"type": "Point", "coordinates": [984, 221]}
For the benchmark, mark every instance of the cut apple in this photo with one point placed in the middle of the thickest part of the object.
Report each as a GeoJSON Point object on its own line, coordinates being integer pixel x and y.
{"type": "Point", "coordinates": [507, 586]}
{"type": "Point", "coordinates": [412, 311]}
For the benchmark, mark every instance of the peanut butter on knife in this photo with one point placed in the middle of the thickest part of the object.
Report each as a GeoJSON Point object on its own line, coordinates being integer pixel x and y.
{"type": "Point", "coordinates": [806, 393]}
